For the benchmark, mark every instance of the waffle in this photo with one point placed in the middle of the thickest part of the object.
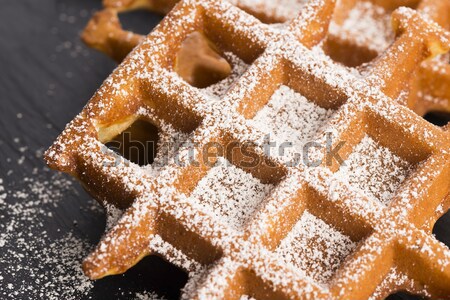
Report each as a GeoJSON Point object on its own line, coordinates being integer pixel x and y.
{"type": "Point", "coordinates": [360, 31]}
{"type": "Point", "coordinates": [246, 222]}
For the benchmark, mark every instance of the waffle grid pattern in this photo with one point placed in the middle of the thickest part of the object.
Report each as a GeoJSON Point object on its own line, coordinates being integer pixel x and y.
{"type": "Point", "coordinates": [392, 241]}
{"type": "Point", "coordinates": [358, 27]}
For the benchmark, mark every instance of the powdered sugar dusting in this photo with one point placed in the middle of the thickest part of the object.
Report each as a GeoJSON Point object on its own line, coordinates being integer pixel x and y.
{"type": "Point", "coordinates": [280, 10]}
{"type": "Point", "coordinates": [175, 256]}
{"type": "Point", "coordinates": [397, 279]}
{"type": "Point", "coordinates": [315, 247]}
{"type": "Point", "coordinates": [218, 90]}
{"type": "Point", "coordinates": [291, 118]}
{"type": "Point", "coordinates": [113, 215]}
{"type": "Point", "coordinates": [148, 296]}
{"type": "Point", "coordinates": [57, 266]}
{"type": "Point", "coordinates": [231, 193]}
{"type": "Point", "coordinates": [375, 170]}
{"type": "Point", "coordinates": [228, 196]}
{"type": "Point", "coordinates": [367, 25]}
{"type": "Point", "coordinates": [39, 260]}
{"type": "Point", "coordinates": [170, 140]}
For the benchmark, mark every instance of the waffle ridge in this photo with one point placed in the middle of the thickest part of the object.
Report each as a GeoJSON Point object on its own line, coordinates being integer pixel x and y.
{"type": "Point", "coordinates": [360, 31]}
{"type": "Point", "coordinates": [365, 248]}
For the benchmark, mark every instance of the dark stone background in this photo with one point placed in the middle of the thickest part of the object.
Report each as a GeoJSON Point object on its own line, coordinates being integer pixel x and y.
{"type": "Point", "coordinates": [46, 77]}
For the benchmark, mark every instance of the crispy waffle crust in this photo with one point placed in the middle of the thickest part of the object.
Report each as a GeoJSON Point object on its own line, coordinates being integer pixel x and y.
{"type": "Point", "coordinates": [269, 229]}
{"type": "Point", "coordinates": [360, 31]}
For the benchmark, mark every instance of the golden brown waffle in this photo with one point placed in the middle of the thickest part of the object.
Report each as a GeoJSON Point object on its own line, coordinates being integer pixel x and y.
{"type": "Point", "coordinates": [264, 228]}
{"type": "Point", "coordinates": [360, 31]}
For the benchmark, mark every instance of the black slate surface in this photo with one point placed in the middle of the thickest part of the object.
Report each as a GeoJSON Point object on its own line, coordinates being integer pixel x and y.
{"type": "Point", "coordinates": [46, 76]}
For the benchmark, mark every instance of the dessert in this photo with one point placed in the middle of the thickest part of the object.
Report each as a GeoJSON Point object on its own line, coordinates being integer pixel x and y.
{"type": "Point", "coordinates": [245, 223]}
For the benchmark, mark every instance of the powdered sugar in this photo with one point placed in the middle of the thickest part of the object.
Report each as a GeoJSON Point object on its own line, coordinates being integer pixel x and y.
{"type": "Point", "coordinates": [290, 119]}
{"type": "Point", "coordinates": [218, 90]}
{"type": "Point", "coordinates": [40, 260]}
{"type": "Point", "coordinates": [280, 10]}
{"type": "Point", "coordinates": [367, 25]}
{"type": "Point", "coordinates": [148, 296]}
{"type": "Point", "coordinates": [55, 266]}
{"type": "Point", "coordinates": [3, 193]}
{"type": "Point", "coordinates": [375, 170]}
{"type": "Point", "coordinates": [315, 247]}
{"type": "Point", "coordinates": [169, 141]}
{"type": "Point", "coordinates": [231, 193]}
{"type": "Point", "coordinates": [113, 215]}
{"type": "Point", "coordinates": [395, 278]}
{"type": "Point", "coordinates": [173, 255]}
